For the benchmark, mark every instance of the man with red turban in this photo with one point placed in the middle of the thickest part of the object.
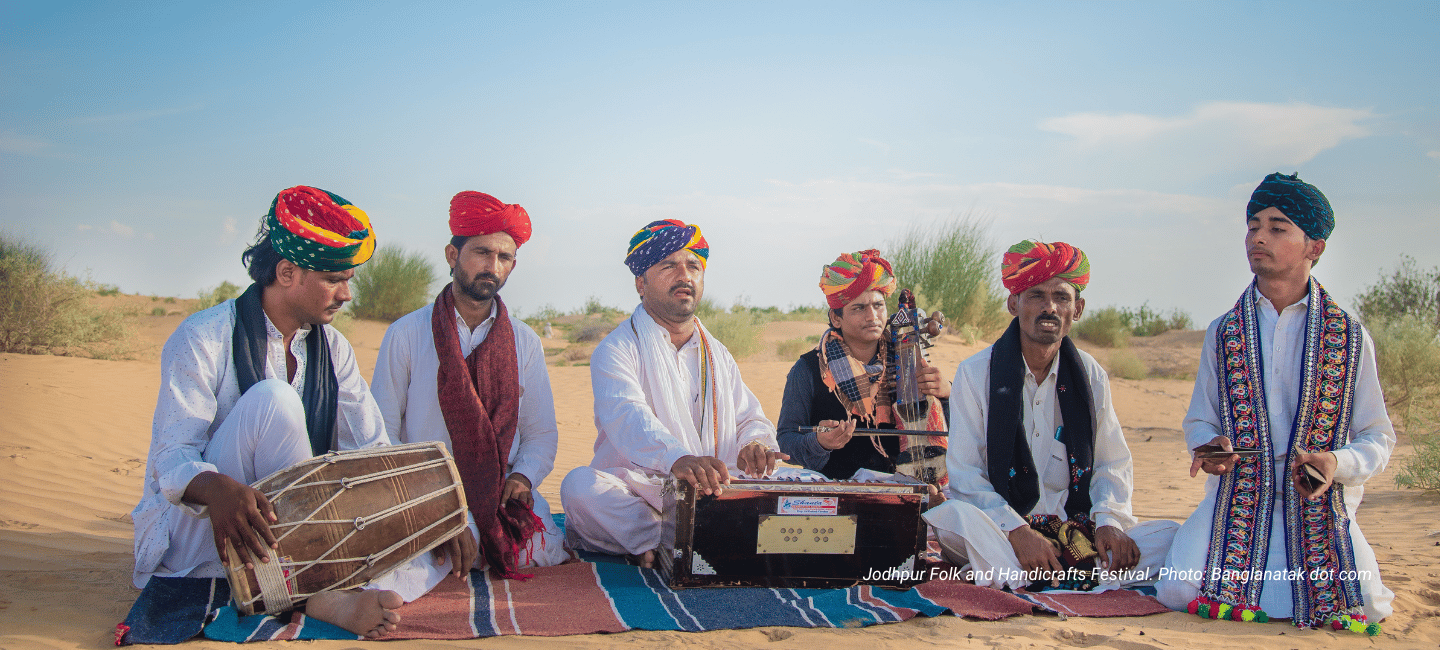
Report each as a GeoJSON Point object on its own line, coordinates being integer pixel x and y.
{"type": "Point", "coordinates": [849, 377]}
{"type": "Point", "coordinates": [466, 372]}
{"type": "Point", "coordinates": [1040, 481]}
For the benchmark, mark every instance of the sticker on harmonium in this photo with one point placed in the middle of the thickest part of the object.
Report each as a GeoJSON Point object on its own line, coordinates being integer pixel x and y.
{"type": "Point", "coordinates": [808, 506]}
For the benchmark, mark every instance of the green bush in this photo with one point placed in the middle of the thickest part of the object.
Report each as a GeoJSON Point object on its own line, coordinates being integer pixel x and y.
{"type": "Point", "coordinates": [1422, 468]}
{"type": "Point", "coordinates": [1407, 355]}
{"type": "Point", "coordinates": [1123, 363]}
{"type": "Point", "coordinates": [1148, 322]}
{"type": "Point", "coordinates": [158, 311]}
{"type": "Point", "coordinates": [210, 297]}
{"type": "Point", "coordinates": [590, 332]}
{"type": "Point", "coordinates": [393, 283]}
{"type": "Point", "coordinates": [1104, 327]}
{"type": "Point", "coordinates": [1408, 291]}
{"type": "Point", "coordinates": [107, 290]}
{"type": "Point", "coordinates": [48, 311]}
{"type": "Point", "coordinates": [954, 268]}
{"type": "Point", "coordinates": [739, 332]}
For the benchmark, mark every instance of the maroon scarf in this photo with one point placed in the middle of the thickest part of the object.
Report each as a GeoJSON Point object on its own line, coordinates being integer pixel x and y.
{"type": "Point", "coordinates": [480, 397]}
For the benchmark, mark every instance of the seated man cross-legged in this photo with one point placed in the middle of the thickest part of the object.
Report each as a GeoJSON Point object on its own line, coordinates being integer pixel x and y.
{"type": "Point", "coordinates": [1040, 476]}
{"type": "Point", "coordinates": [669, 402]}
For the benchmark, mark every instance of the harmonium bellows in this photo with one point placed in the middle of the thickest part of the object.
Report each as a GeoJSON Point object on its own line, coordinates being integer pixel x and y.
{"type": "Point", "coordinates": [793, 534]}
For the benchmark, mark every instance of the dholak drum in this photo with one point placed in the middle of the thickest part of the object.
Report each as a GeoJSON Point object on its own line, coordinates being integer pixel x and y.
{"type": "Point", "coordinates": [346, 518]}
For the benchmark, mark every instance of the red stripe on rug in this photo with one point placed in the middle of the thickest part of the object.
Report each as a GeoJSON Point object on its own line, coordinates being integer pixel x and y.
{"type": "Point", "coordinates": [904, 613]}
{"type": "Point", "coordinates": [572, 589]}
{"type": "Point", "coordinates": [968, 600]}
{"type": "Point", "coordinates": [444, 613]}
{"type": "Point", "coordinates": [1120, 602]}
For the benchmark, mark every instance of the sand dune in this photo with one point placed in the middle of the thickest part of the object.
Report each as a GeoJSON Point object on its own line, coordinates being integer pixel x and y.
{"type": "Point", "coordinates": [74, 434]}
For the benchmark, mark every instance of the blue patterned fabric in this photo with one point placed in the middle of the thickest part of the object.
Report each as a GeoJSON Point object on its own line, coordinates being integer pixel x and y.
{"type": "Point", "coordinates": [1301, 202]}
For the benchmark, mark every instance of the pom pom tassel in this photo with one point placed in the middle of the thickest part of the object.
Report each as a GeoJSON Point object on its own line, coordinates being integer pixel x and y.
{"type": "Point", "coordinates": [1207, 608]}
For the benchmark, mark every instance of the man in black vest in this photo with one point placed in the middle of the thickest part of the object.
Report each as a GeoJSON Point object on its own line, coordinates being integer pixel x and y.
{"type": "Point", "coordinates": [849, 378]}
{"type": "Point", "coordinates": [1040, 476]}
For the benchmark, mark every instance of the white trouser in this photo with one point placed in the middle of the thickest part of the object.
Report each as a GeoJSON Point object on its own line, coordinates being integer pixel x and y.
{"type": "Point", "coordinates": [969, 536]}
{"type": "Point", "coordinates": [608, 510]}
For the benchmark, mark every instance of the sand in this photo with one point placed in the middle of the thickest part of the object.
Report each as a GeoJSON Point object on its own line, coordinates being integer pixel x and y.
{"type": "Point", "coordinates": [74, 435]}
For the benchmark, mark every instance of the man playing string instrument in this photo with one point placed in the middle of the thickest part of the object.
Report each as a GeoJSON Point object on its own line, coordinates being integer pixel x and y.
{"type": "Point", "coordinates": [465, 372]}
{"type": "Point", "coordinates": [252, 386]}
{"type": "Point", "coordinates": [669, 402]}
{"type": "Point", "coordinates": [850, 377]}
{"type": "Point", "coordinates": [1040, 476]}
{"type": "Point", "coordinates": [1289, 375]}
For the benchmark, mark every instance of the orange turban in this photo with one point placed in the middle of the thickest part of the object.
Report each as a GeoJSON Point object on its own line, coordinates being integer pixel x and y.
{"type": "Point", "coordinates": [852, 274]}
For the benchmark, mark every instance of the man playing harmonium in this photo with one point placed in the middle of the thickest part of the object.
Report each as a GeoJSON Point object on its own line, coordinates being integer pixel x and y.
{"type": "Point", "coordinates": [669, 402]}
{"type": "Point", "coordinates": [465, 372]}
{"type": "Point", "coordinates": [1040, 476]}
{"type": "Point", "coordinates": [849, 378]}
{"type": "Point", "coordinates": [255, 385]}
{"type": "Point", "coordinates": [1290, 378]}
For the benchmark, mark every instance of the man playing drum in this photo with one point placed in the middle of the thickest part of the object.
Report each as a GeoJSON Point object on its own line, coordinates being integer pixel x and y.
{"type": "Point", "coordinates": [668, 402]}
{"type": "Point", "coordinates": [1039, 470]}
{"type": "Point", "coordinates": [252, 386]}
{"type": "Point", "coordinates": [849, 377]}
{"type": "Point", "coordinates": [465, 372]}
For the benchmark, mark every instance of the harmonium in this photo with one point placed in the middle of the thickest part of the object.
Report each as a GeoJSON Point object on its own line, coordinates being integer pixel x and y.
{"type": "Point", "coordinates": [798, 534]}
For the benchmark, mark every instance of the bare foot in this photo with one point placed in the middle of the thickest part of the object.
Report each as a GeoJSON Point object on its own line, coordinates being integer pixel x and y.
{"type": "Point", "coordinates": [644, 560]}
{"type": "Point", "coordinates": [370, 612]}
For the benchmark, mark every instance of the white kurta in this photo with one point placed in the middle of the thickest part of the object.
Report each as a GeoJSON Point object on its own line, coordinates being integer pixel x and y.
{"type": "Point", "coordinates": [198, 392]}
{"type": "Point", "coordinates": [406, 390]}
{"type": "Point", "coordinates": [1282, 347]}
{"type": "Point", "coordinates": [648, 411]}
{"type": "Point", "coordinates": [973, 523]}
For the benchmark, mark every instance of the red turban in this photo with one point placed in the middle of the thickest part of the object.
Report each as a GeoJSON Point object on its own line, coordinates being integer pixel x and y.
{"type": "Point", "coordinates": [1029, 263]}
{"type": "Point", "coordinates": [478, 213]}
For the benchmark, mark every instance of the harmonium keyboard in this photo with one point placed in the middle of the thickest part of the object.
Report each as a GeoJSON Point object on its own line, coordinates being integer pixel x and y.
{"type": "Point", "coordinates": [782, 533]}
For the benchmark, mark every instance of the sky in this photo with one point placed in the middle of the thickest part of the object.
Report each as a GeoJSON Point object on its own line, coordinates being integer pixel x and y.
{"type": "Point", "coordinates": [142, 142]}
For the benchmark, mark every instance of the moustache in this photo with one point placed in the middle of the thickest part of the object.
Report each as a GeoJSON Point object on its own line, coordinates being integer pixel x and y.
{"type": "Point", "coordinates": [487, 276]}
{"type": "Point", "coordinates": [1049, 317]}
{"type": "Point", "coordinates": [683, 285]}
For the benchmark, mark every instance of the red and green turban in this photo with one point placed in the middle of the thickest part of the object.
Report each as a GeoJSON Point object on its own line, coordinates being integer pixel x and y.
{"type": "Point", "coordinates": [318, 230]}
{"type": "Point", "coordinates": [659, 239]}
{"type": "Point", "coordinates": [478, 213]}
{"type": "Point", "coordinates": [852, 274]}
{"type": "Point", "coordinates": [1029, 263]}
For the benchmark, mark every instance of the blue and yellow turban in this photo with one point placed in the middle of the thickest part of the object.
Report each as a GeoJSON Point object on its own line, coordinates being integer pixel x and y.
{"type": "Point", "coordinates": [660, 239]}
{"type": "Point", "coordinates": [1301, 202]}
{"type": "Point", "coordinates": [318, 230]}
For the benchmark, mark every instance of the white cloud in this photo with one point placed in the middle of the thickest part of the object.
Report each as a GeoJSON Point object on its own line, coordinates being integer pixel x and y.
{"type": "Point", "coordinates": [228, 227]}
{"type": "Point", "coordinates": [1433, 154]}
{"type": "Point", "coordinates": [1266, 134]}
{"type": "Point", "coordinates": [14, 143]}
{"type": "Point", "coordinates": [122, 229]}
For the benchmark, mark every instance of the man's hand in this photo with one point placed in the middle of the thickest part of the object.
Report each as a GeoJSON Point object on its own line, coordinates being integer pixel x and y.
{"type": "Point", "coordinates": [1216, 466]}
{"type": "Point", "coordinates": [1117, 551]}
{"type": "Point", "coordinates": [1036, 552]}
{"type": "Point", "coordinates": [928, 379]}
{"type": "Point", "coordinates": [1324, 461]}
{"type": "Point", "coordinates": [461, 549]}
{"type": "Point", "coordinates": [707, 474]}
{"type": "Point", "coordinates": [238, 513]}
{"type": "Point", "coordinates": [517, 486]}
{"type": "Point", "coordinates": [837, 434]}
{"type": "Point", "coordinates": [757, 460]}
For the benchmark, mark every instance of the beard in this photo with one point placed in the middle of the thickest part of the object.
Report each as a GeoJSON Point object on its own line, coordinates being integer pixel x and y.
{"type": "Point", "coordinates": [477, 289]}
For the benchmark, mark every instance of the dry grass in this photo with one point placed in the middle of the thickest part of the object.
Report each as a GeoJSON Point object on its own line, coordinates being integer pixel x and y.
{"type": "Point", "coordinates": [45, 311]}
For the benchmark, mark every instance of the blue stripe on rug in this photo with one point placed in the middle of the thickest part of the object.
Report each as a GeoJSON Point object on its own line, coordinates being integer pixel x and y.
{"type": "Point", "coordinates": [483, 617]}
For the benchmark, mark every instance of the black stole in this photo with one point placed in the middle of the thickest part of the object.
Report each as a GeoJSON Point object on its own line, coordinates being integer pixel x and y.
{"type": "Point", "coordinates": [322, 393]}
{"type": "Point", "coordinates": [1012, 470]}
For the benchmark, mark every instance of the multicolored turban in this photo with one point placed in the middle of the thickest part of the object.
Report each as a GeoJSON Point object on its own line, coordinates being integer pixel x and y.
{"type": "Point", "coordinates": [1029, 263]}
{"type": "Point", "coordinates": [318, 230]}
{"type": "Point", "coordinates": [852, 274]}
{"type": "Point", "coordinates": [659, 239]}
{"type": "Point", "coordinates": [1301, 202]}
{"type": "Point", "coordinates": [478, 213]}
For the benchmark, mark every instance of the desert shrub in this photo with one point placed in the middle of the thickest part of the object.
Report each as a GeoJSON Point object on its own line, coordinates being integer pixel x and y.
{"type": "Point", "coordinates": [808, 313]}
{"type": "Point", "coordinates": [590, 332]}
{"type": "Point", "coordinates": [343, 323]}
{"type": "Point", "coordinates": [577, 353]}
{"type": "Point", "coordinates": [955, 268]}
{"type": "Point", "coordinates": [107, 290]}
{"type": "Point", "coordinates": [1422, 468]}
{"type": "Point", "coordinates": [1149, 322]}
{"type": "Point", "coordinates": [393, 283]}
{"type": "Point", "coordinates": [1407, 355]}
{"type": "Point", "coordinates": [44, 310]}
{"type": "Point", "coordinates": [220, 293]}
{"type": "Point", "coordinates": [169, 300]}
{"type": "Point", "coordinates": [1105, 327]}
{"type": "Point", "coordinates": [793, 348]}
{"type": "Point", "coordinates": [1410, 290]}
{"type": "Point", "coordinates": [967, 333]}
{"type": "Point", "coordinates": [737, 331]}
{"type": "Point", "coordinates": [1124, 363]}
{"type": "Point", "coordinates": [158, 311]}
